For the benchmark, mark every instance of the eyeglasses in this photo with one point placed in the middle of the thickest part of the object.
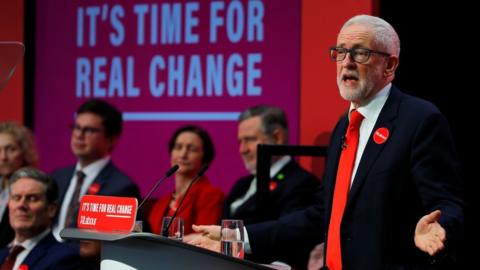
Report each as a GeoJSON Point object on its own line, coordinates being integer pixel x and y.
{"type": "Point", "coordinates": [85, 130]}
{"type": "Point", "coordinates": [359, 55]}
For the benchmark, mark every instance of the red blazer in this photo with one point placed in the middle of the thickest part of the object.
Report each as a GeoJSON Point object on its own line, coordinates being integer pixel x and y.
{"type": "Point", "coordinates": [202, 206]}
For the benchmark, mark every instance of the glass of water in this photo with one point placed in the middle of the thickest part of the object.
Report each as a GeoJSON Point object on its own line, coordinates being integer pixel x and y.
{"type": "Point", "coordinates": [175, 228]}
{"type": "Point", "coordinates": [232, 238]}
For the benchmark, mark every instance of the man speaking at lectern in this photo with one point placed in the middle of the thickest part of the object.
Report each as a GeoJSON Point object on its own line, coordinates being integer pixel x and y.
{"type": "Point", "coordinates": [391, 195]}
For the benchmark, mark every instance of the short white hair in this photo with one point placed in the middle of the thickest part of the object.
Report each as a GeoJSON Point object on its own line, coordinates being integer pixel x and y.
{"type": "Point", "coordinates": [384, 34]}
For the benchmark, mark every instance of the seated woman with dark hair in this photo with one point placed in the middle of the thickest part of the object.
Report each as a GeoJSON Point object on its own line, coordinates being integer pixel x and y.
{"type": "Point", "coordinates": [190, 147]}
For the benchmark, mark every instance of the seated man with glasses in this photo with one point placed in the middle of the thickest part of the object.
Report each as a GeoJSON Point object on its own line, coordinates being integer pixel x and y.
{"type": "Point", "coordinates": [96, 131]}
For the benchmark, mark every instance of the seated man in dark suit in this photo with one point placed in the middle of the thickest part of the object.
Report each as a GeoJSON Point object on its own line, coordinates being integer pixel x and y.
{"type": "Point", "coordinates": [291, 187]}
{"type": "Point", "coordinates": [32, 208]}
{"type": "Point", "coordinates": [17, 149]}
{"type": "Point", "coordinates": [96, 131]}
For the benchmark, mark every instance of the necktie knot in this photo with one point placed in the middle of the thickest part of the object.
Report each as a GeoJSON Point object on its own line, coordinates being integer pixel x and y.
{"type": "Point", "coordinates": [355, 119]}
{"type": "Point", "coordinates": [15, 250]}
{"type": "Point", "coordinates": [80, 177]}
{"type": "Point", "coordinates": [11, 258]}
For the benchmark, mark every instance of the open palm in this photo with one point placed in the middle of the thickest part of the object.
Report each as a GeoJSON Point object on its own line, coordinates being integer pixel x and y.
{"type": "Point", "coordinates": [430, 236]}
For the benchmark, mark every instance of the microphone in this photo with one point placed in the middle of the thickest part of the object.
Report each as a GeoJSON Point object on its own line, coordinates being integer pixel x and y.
{"type": "Point", "coordinates": [199, 174]}
{"type": "Point", "coordinates": [170, 171]}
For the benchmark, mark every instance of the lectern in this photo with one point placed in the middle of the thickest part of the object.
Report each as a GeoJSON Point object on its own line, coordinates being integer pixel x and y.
{"type": "Point", "coordinates": [151, 251]}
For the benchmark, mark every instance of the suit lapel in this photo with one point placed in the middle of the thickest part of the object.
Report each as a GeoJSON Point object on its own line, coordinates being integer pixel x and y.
{"type": "Point", "coordinates": [101, 178]}
{"type": "Point", "coordinates": [190, 196]}
{"type": "Point", "coordinates": [3, 254]}
{"type": "Point", "coordinates": [372, 150]}
{"type": "Point", "coordinates": [239, 191]}
{"type": "Point", "coordinates": [38, 252]}
{"type": "Point", "coordinates": [64, 182]}
{"type": "Point", "coordinates": [286, 172]}
{"type": "Point", "coordinates": [333, 158]}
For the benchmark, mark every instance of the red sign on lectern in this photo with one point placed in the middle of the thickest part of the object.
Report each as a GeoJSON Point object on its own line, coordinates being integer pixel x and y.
{"type": "Point", "coordinates": [107, 213]}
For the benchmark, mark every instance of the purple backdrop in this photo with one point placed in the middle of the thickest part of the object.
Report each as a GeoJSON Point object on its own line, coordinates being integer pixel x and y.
{"type": "Point", "coordinates": [164, 64]}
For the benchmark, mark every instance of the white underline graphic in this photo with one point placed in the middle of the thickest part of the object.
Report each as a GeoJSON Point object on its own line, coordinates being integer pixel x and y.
{"type": "Point", "coordinates": [180, 116]}
{"type": "Point", "coordinates": [119, 216]}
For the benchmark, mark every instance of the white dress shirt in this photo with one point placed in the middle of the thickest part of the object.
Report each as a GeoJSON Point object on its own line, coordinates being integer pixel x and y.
{"type": "Point", "coordinates": [28, 245]}
{"type": "Point", "coordinates": [91, 172]}
{"type": "Point", "coordinates": [274, 169]}
{"type": "Point", "coordinates": [370, 112]}
{"type": "Point", "coordinates": [4, 196]}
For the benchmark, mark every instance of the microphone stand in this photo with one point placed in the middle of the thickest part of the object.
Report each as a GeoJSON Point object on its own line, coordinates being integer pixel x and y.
{"type": "Point", "coordinates": [199, 174]}
{"type": "Point", "coordinates": [171, 171]}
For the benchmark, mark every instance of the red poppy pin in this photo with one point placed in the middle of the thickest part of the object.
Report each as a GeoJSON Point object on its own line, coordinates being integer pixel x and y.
{"type": "Point", "coordinates": [23, 267]}
{"type": "Point", "coordinates": [381, 135]}
{"type": "Point", "coordinates": [273, 185]}
{"type": "Point", "coordinates": [93, 189]}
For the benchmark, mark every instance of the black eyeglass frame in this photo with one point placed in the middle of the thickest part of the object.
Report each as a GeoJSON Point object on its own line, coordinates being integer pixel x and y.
{"type": "Point", "coordinates": [85, 130]}
{"type": "Point", "coordinates": [354, 52]}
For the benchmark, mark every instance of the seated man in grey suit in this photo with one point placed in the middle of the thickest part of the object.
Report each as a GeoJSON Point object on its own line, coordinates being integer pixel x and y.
{"type": "Point", "coordinates": [291, 187]}
{"type": "Point", "coordinates": [96, 130]}
{"type": "Point", "coordinates": [32, 207]}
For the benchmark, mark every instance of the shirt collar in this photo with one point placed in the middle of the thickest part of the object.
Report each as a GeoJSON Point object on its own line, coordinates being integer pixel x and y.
{"type": "Point", "coordinates": [3, 183]}
{"type": "Point", "coordinates": [372, 108]}
{"type": "Point", "coordinates": [93, 168]}
{"type": "Point", "coordinates": [31, 242]}
{"type": "Point", "coordinates": [278, 165]}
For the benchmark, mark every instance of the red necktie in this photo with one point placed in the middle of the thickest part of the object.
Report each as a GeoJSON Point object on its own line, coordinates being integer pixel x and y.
{"type": "Point", "coordinates": [342, 186]}
{"type": "Point", "coordinates": [74, 203]}
{"type": "Point", "coordinates": [12, 256]}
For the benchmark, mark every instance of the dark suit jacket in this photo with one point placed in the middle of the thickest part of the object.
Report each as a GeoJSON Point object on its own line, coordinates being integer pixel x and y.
{"type": "Point", "coordinates": [413, 173]}
{"type": "Point", "coordinates": [109, 182]}
{"type": "Point", "coordinates": [48, 254]}
{"type": "Point", "coordinates": [292, 188]}
{"type": "Point", "coordinates": [6, 231]}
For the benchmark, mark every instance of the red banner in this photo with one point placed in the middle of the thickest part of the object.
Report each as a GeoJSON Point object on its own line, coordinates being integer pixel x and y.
{"type": "Point", "coordinates": [107, 213]}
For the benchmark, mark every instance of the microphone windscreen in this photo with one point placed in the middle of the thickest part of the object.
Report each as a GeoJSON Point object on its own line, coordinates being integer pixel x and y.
{"type": "Point", "coordinates": [172, 170]}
